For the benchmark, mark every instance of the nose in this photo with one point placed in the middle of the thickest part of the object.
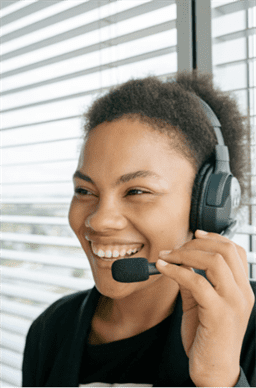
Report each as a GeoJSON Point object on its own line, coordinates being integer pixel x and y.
{"type": "Point", "coordinates": [106, 216]}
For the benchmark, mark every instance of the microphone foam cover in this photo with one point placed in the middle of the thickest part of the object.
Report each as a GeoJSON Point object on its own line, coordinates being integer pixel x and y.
{"type": "Point", "coordinates": [130, 270]}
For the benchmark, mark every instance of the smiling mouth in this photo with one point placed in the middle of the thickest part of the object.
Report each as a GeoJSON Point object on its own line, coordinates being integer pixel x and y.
{"type": "Point", "coordinates": [116, 258]}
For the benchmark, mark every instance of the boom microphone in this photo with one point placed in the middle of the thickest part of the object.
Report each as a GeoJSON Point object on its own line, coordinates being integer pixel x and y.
{"type": "Point", "coordinates": [132, 270]}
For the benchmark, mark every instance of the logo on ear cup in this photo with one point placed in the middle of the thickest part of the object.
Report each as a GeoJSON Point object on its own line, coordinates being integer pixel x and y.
{"type": "Point", "coordinates": [235, 193]}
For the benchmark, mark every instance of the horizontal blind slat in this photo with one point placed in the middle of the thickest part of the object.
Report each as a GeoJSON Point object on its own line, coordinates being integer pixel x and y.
{"type": "Point", "coordinates": [11, 358]}
{"type": "Point", "coordinates": [41, 142]}
{"type": "Point", "coordinates": [234, 6]}
{"type": "Point", "coordinates": [5, 4]}
{"type": "Point", "coordinates": [21, 309]}
{"type": "Point", "coordinates": [13, 341]}
{"type": "Point", "coordinates": [27, 10]}
{"type": "Point", "coordinates": [45, 278]}
{"type": "Point", "coordinates": [15, 324]}
{"type": "Point", "coordinates": [29, 293]}
{"type": "Point", "coordinates": [247, 229]}
{"type": "Point", "coordinates": [11, 375]}
{"type": "Point", "coordinates": [251, 257]}
{"type": "Point", "coordinates": [62, 129]}
{"type": "Point", "coordinates": [2, 382]}
{"type": "Point", "coordinates": [32, 124]}
{"type": "Point", "coordinates": [34, 220]}
{"type": "Point", "coordinates": [39, 239]}
{"type": "Point", "coordinates": [53, 260]}
{"type": "Point", "coordinates": [235, 35]}
{"type": "Point", "coordinates": [32, 200]}
{"type": "Point", "coordinates": [234, 63]}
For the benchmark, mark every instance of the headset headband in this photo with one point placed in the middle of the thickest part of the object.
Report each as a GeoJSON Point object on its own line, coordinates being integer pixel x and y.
{"type": "Point", "coordinates": [221, 150]}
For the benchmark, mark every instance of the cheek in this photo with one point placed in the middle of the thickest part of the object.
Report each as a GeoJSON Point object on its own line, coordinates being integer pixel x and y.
{"type": "Point", "coordinates": [75, 215]}
{"type": "Point", "coordinates": [166, 225]}
{"type": "Point", "coordinates": [171, 211]}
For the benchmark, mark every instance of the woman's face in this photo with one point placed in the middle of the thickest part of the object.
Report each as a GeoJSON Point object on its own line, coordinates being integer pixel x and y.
{"type": "Point", "coordinates": [125, 211]}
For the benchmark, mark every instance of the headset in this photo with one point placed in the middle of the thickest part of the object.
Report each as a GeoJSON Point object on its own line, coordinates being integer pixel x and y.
{"type": "Point", "coordinates": [216, 193]}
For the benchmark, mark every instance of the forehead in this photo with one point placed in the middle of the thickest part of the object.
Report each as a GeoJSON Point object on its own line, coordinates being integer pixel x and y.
{"type": "Point", "coordinates": [119, 147]}
{"type": "Point", "coordinates": [123, 136]}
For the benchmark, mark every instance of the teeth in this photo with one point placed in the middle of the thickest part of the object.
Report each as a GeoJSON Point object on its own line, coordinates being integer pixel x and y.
{"type": "Point", "coordinates": [113, 253]}
{"type": "Point", "coordinates": [101, 253]}
{"type": "Point", "coordinates": [108, 254]}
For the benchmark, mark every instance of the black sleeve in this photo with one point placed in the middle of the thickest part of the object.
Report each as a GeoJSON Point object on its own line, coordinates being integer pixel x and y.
{"type": "Point", "coordinates": [45, 336]}
{"type": "Point", "coordinates": [30, 357]}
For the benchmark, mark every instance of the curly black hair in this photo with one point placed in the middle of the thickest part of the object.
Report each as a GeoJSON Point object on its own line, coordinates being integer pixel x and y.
{"type": "Point", "coordinates": [170, 107]}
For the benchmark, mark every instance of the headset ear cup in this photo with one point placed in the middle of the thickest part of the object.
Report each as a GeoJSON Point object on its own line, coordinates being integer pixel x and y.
{"type": "Point", "coordinates": [198, 193]}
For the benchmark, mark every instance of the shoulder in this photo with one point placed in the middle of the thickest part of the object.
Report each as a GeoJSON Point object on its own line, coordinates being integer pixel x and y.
{"type": "Point", "coordinates": [61, 312]}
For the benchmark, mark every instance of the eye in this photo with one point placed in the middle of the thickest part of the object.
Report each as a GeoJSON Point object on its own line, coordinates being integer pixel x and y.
{"type": "Point", "coordinates": [137, 190]}
{"type": "Point", "coordinates": [81, 191]}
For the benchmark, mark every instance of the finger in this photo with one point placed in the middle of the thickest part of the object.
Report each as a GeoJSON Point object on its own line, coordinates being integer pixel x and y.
{"type": "Point", "coordinates": [216, 269]}
{"type": "Point", "coordinates": [201, 290]}
{"type": "Point", "coordinates": [188, 300]}
{"type": "Point", "coordinates": [234, 255]}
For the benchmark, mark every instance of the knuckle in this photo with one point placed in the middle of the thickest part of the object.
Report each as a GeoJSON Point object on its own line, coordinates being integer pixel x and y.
{"type": "Point", "coordinates": [245, 303]}
{"type": "Point", "coordinates": [230, 248]}
{"type": "Point", "coordinates": [252, 298]}
{"type": "Point", "coordinates": [242, 255]}
{"type": "Point", "coordinates": [242, 251]}
{"type": "Point", "coordinates": [248, 306]}
{"type": "Point", "coordinates": [218, 259]}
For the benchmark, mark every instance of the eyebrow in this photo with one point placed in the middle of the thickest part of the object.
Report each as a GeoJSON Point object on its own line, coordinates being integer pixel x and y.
{"type": "Point", "coordinates": [122, 179]}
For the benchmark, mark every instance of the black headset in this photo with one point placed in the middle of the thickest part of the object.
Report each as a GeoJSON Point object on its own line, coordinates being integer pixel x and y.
{"type": "Point", "coordinates": [216, 193]}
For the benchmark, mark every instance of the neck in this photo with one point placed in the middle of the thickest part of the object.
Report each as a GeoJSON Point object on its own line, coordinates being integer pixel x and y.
{"type": "Point", "coordinates": [143, 309]}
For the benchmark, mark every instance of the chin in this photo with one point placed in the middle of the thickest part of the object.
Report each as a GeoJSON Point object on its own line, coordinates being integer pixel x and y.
{"type": "Point", "coordinates": [110, 288]}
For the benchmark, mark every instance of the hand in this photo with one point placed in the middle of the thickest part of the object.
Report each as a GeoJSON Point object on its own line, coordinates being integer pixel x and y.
{"type": "Point", "coordinates": [215, 312]}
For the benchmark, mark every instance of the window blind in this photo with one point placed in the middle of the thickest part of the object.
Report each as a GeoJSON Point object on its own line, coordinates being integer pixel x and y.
{"type": "Point", "coordinates": [56, 58]}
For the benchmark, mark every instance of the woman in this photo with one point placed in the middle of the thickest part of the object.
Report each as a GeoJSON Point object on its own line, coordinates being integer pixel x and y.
{"type": "Point", "coordinates": [144, 144]}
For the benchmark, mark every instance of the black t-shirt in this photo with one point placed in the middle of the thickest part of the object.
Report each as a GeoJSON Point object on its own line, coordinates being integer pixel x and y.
{"type": "Point", "coordinates": [57, 338]}
{"type": "Point", "coordinates": [132, 360]}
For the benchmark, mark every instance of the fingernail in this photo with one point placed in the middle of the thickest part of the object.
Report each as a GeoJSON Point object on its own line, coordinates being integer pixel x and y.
{"type": "Point", "coordinates": [163, 254]}
{"type": "Point", "coordinates": [161, 262]}
{"type": "Point", "coordinates": [202, 232]}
